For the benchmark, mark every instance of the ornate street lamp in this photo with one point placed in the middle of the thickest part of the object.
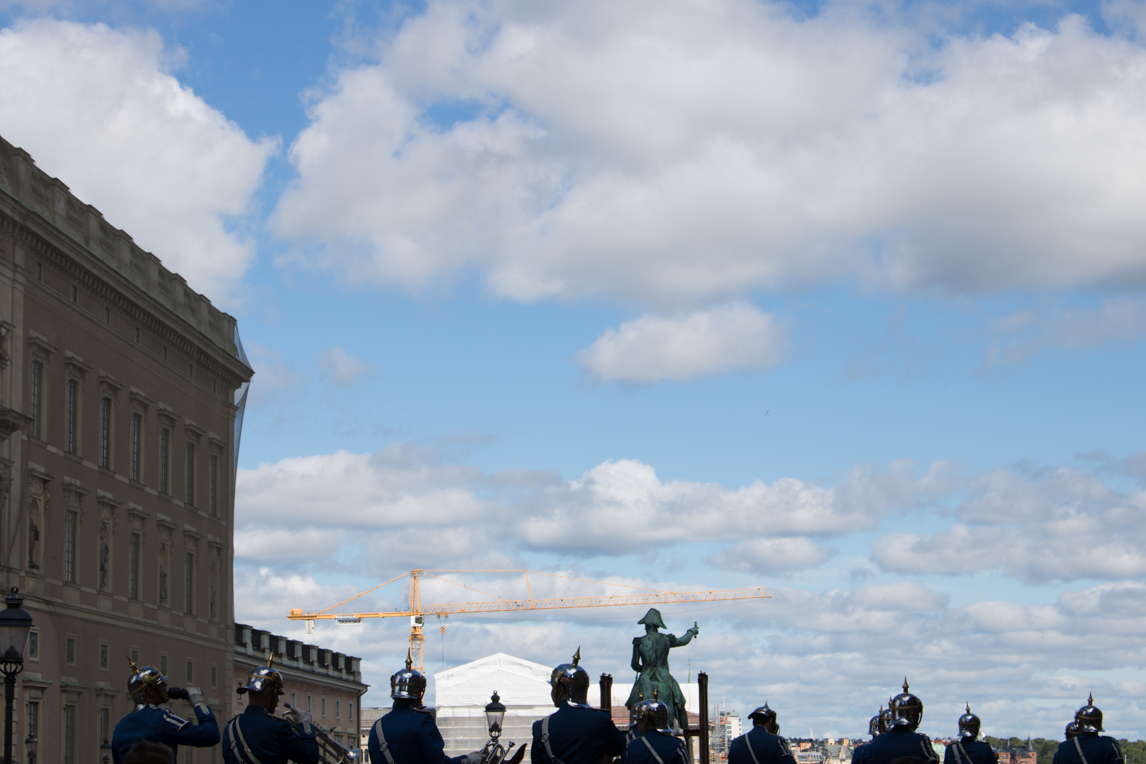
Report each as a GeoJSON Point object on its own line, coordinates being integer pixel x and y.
{"type": "Point", "coordinates": [30, 746]}
{"type": "Point", "coordinates": [494, 715]}
{"type": "Point", "coordinates": [105, 751]}
{"type": "Point", "coordinates": [15, 623]}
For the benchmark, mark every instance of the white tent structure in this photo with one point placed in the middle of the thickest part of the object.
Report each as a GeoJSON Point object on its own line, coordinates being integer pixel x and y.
{"type": "Point", "coordinates": [461, 694]}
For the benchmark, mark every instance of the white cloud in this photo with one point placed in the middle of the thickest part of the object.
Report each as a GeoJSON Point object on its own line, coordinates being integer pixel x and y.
{"type": "Point", "coordinates": [1052, 524]}
{"type": "Point", "coordinates": [273, 375]}
{"type": "Point", "coordinates": [341, 368]}
{"type": "Point", "coordinates": [654, 348]}
{"type": "Point", "coordinates": [1021, 335]}
{"type": "Point", "coordinates": [98, 108]}
{"type": "Point", "coordinates": [772, 555]}
{"type": "Point", "coordinates": [670, 153]}
{"type": "Point", "coordinates": [827, 658]}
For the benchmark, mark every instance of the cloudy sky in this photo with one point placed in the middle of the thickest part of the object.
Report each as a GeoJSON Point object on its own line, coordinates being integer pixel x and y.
{"type": "Point", "coordinates": [841, 298]}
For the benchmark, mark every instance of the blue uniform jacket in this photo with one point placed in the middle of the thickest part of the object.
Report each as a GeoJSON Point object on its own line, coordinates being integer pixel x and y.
{"type": "Point", "coordinates": [411, 735]}
{"type": "Point", "coordinates": [767, 748]}
{"type": "Point", "coordinates": [159, 725]}
{"type": "Point", "coordinates": [271, 740]}
{"type": "Point", "coordinates": [861, 754]}
{"type": "Point", "coordinates": [670, 749]}
{"type": "Point", "coordinates": [1097, 750]}
{"type": "Point", "coordinates": [901, 741]}
{"type": "Point", "coordinates": [969, 751]}
{"type": "Point", "coordinates": [578, 735]}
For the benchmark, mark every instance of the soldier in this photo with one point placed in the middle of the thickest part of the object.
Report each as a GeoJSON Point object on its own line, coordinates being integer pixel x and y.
{"type": "Point", "coordinates": [1089, 747]}
{"type": "Point", "coordinates": [760, 745]}
{"type": "Point", "coordinates": [1072, 730]}
{"type": "Point", "coordinates": [257, 736]}
{"type": "Point", "coordinates": [968, 749]}
{"type": "Point", "coordinates": [875, 728]}
{"type": "Point", "coordinates": [409, 734]}
{"type": "Point", "coordinates": [576, 733]}
{"type": "Point", "coordinates": [656, 743]}
{"type": "Point", "coordinates": [902, 739]}
{"type": "Point", "coordinates": [151, 721]}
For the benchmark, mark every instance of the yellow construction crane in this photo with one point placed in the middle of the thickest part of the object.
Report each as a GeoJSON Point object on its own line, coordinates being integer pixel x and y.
{"type": "Point", "coordinates": [418, 611]}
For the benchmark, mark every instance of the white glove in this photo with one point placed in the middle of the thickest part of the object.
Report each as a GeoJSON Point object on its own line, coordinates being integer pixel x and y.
{"type": "Point", "coordinates": [195, 698]}
{"type": "Point", "coordinates": [303, 719]}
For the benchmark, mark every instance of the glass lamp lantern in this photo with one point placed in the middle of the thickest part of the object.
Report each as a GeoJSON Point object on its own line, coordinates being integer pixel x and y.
{"type": "Point", "coordinates": [495, 714]}
{"type": "Point", "coordinates": [15, 623]}
{"type": "Point", "coordinates": [30, 745]}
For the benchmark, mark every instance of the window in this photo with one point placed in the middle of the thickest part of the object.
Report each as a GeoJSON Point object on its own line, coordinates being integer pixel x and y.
{"type": "Point", "coordinates": [214, 676]}
{"type": "Point", "coordinates": [103, 724]}
{"type": "Point", "coordinates": [39, 271]}
{"type": "Point", "coordinates": [37, 396]}
{"type": "Point", "coordinates": [137, 335]}
{"type": "Point", "coordinates": [33, 707]}
{"type": "Point", "coordinates": [104, 651]}
{"type": "Point", "coordinates": [136, 436]}
{"type": "Point", "coordinates": [309, 709]}
{"type": "Point", "coordinates": [164, 447]}
{"type": "Point", "coordinates": [337, 708]}
{"type": "Point", "coordinates": [350, 711]}
{"type": "Point", "coordinates": [191, 370]}
{"type": "Point", "coordinates": [214, 488]}
{"type": "Point", "coordinates": [164, 352]}
{"type": "Point", "coordinates": [135, 654]}
{"type": "Point", "coordinates": [163, 664]}
{"type": "Point", "coordinates": [75, 294]}
{"type": "Point", "coordinates": [107, 315]}
{"type": "Point", "coordinates": [189, 584]}
{"type": "Point", "coordinates": [105, 433]}
{"type": "Point", "coordinates": [133, 566]}
{"type": "Point", "coordinates": [324, 708]}
{"type": "Point", "coordinates": [70, 520]}
{"type": "Point", "coordinates": [214, 385]}
{"type": "Point", "coordinates": [70, 651]}
{"type": "Point", "coordinates": [191, 474]}
{"type": "Point", "coordinates": [293, 699]}
{"type": "Point", "coordinates": [34, 646]}
{"type": "Point", "coordinates": [70, 416]}
{"type": "Point", "coordinates": [190, 672]}
{"type": "Point", "coordinates": [69, 733]}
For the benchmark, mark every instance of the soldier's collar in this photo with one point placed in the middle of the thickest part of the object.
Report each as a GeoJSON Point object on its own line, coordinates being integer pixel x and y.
{"type": "Point", "coordinates": [571, 704]}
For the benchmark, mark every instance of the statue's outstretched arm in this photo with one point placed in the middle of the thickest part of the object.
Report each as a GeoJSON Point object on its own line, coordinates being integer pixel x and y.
{"type": "Point", "coordinates": [684, 639]}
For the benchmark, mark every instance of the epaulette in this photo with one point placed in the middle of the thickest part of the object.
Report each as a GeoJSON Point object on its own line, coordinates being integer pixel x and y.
{"type": "Point", "coordinates": [424, 710]}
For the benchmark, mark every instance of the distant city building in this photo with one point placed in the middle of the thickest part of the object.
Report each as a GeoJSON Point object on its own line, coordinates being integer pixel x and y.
{"type": "Point", "coordinates": [1024, 753]}
{"type": "Point", "coordinates": [724, 727]}
{"type": "Point", "coordinates": [328, 684]}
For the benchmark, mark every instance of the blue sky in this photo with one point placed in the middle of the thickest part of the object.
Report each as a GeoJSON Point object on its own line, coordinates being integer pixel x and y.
{"type": "Point", "coordinates": [842, 299]}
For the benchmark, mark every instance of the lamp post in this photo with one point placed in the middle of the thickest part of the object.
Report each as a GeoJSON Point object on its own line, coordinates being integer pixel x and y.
{"type": "Point", "coordinates": [30, 745]}
{"type": "Point", "coordinates": [495, 715]}
{"type": "Point", "coordinates": [105, 752]}
{"type": "Point", "coordinates": [15, 623]}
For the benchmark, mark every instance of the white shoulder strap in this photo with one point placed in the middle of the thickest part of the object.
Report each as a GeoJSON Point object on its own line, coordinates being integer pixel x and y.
{"type": "Point", "coordinates": [239, 746]}
{"type": "Point", "coordinates": [382, 744]}
{"type": "Point", "coordinates": [545, 740]}
{"type": "Point", "coordinates": [748, 742]}
{"type": "Point", "coordinates": [1078, 748]}
{"type": "Point", "coordinates": [649, 745]}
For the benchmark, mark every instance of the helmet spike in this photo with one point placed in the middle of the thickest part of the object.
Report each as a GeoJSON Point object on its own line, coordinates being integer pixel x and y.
{"type": "Point", "coordinates": [134, 668]}
{"type": "Point", "coordinates": [409, 659]}
{"type": "Point", "coordinates": [577, 656]}
{"type": "Point", "coordinates": [270, 658]}
{"type": "Point", "coordinates": [656, 692]}
{"type": "Point", "coordinates": [1090, 700]}
{"type": "Point", "coordinates": [905, 690]}
{"type": "Point", "coordinates": [968, 706]}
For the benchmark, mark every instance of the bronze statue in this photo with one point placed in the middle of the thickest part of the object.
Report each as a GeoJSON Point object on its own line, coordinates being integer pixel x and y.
{"type": "Point", "coordinates": [650, 660]}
